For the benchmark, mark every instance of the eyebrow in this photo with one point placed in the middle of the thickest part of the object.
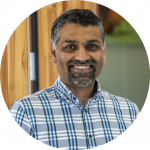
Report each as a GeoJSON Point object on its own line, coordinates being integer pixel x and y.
{"type": "Point", "coordinates": [74, 41]}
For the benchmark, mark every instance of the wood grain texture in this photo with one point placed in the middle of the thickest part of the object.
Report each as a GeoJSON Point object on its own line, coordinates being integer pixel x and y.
{"type": "Point", "coordinates": [77, 4]}
{"type": "Point", "coordinates": [14, 66]}
{"type": "Point", "coordinates": [47, 70]}
{"type": "Point", "coordinates": [88, 5]}
{"type": "Point", "coordinates": [66, 5]}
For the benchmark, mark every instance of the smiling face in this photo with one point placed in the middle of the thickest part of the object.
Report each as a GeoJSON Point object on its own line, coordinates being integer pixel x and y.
{"type": "Point", "coordinates": [80, 55]}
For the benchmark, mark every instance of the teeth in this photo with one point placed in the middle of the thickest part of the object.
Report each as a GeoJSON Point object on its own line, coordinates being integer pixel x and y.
{"type": "Point", "coordinates": [81, 67]}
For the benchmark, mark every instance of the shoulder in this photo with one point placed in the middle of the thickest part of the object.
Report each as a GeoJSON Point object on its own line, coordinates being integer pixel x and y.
{"type": "Point", "coordinates": [33, 99]}
{"type": "Point", "coordinates": [106, 94]}
{"type": "Point", "coordinates": [120, 102]}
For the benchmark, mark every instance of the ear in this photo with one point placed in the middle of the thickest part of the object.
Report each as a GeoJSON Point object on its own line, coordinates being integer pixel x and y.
{"type": "Point", "coordinates": [104, 53]}
{"type": "Point", "coordinates": [53, 54]}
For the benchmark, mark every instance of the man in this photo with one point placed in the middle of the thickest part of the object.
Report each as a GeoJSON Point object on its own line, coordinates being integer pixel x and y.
{"type": "Point", "coordinates": [75, 113]}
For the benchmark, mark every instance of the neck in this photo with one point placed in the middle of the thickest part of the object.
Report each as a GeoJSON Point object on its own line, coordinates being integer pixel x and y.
{"type": "Point", "coordinates": [82, 93]}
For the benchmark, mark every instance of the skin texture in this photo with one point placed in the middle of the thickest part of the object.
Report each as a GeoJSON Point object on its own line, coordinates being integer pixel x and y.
{"type": "Point", "coordinates": [79, 43]}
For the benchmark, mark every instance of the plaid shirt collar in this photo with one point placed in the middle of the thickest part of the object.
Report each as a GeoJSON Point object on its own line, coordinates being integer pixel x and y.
{"type": "Point", "coordinates": [68, 97]}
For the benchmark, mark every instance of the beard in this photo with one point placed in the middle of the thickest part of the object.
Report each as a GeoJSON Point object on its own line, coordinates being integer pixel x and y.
{"type": "Point", "coordinates": [81, 79]}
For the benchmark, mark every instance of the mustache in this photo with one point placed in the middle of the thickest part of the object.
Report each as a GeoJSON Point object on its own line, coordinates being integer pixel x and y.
{"type": "Point", "coordinates": [75, 62]}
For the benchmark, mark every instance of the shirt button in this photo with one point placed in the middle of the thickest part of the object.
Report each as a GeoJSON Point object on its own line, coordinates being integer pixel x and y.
{"type": "Point", "coordinates": [74, 98]}
{"type": "Point", "coordinates": [90, 136]}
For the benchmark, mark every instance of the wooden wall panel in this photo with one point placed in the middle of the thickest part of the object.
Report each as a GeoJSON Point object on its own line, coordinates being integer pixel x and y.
{"type": "Point", "coordinates": [96, 9]}
{"type": "Point", "coordinates": [59, 8]}
{"type": "Point", "coordinates": [14, 66]}
{"type": "Point", "coordinates": [46, 16]}
{"type": "Point", "coordinates": [77, 4]}
{"type": "Point", "coordinates": [4, 76]}
{"type": "Point", "coordinates": [88, 5]}
{"type": "Point", "coordinates": [47, 70]}
{"type": "Point", "coordinates": [66, 5]}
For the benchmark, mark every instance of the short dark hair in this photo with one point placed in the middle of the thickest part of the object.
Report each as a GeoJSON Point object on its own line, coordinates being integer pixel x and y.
{"type": "Point", "coordinates": [84, 17]}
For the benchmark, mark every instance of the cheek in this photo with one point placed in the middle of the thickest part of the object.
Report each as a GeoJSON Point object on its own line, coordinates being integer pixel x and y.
{"type": "Point", "coordinates": [61, 62]}
{"type": "Point", "coordinates": [63, 58]}
{"type": "Point", "coordinates": [99, 65]}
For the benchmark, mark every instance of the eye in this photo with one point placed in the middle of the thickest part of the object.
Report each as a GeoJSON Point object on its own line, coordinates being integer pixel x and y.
{"type": "Point", "coordinates": [70, 46]}
{"type": "Point", "coordinates": [92, 46]}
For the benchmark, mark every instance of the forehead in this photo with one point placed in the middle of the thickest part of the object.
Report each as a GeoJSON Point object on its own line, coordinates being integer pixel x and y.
{"type": "Point", "coordinates": [78, 32]}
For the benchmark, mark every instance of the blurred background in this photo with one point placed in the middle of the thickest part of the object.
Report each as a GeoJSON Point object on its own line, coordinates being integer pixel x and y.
{"type": "Point", "coordinates": [26, 66]}
{"type": "Point", "coordinates": [126, 71]}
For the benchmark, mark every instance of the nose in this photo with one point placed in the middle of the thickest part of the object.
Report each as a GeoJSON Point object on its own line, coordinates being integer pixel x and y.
{"type": "Point", "coordinates": [82, 54]}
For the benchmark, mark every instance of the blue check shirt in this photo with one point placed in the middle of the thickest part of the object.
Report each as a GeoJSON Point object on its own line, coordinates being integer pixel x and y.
{"type": "Point", "coordinates": [56, 117]}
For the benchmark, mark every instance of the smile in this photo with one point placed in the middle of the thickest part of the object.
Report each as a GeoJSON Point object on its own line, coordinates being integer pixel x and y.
{"type": "Point", "coordinates": [81, 68]}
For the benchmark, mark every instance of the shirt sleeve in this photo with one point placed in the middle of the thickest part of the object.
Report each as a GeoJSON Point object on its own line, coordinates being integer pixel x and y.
{"type": "Point", "coordinates": [18, 112]}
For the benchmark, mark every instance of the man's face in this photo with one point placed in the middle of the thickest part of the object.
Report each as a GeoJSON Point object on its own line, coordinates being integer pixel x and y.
{"type": "Point", "coordinates": [80, 55]}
